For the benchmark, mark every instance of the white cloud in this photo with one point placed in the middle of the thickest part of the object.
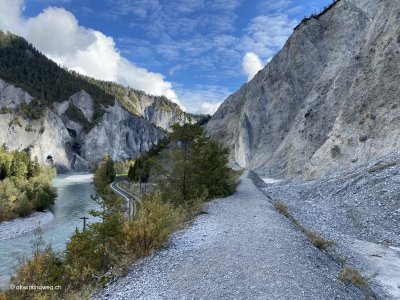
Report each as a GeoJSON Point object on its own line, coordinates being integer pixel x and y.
{"type": "Point", "coordinates": [267, 34]}
{"type": "Point", "coordinates": [251, 65]}
{"type": "Point", "coordinates": [10, 12]}
{"type": "Point", "coordinates": [203, 99]}
{"type": "Point", "coordinates": [142, 79]}
{"type": "Point", "coordinates": [57, 34]}
{"type": "Point", "coordinates": [208, 108]}
{"type": "Point", "coordinates": [274, 5]}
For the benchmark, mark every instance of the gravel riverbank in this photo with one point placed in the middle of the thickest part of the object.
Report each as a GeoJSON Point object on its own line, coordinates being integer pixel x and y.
{"type": "Point", "coordinates": [14, 228]}
{"type": "Point", "coordinates": [240, 249]}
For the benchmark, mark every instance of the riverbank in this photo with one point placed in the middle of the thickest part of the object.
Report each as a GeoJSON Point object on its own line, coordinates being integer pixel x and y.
{"type": "Point", "coordinates": [14, 228]}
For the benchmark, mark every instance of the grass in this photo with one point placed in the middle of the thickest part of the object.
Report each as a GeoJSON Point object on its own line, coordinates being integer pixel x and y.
{"type": "Point", "coordinates": [318, 241]}
{"type": "Point", "coordinates": [354, 277]}
{"type": "Point", "coordinates": [347, 275]}
{"type": "Point", "coordinates": [315, 238]}
{"type": "Point", "coordinates": [282, 208]}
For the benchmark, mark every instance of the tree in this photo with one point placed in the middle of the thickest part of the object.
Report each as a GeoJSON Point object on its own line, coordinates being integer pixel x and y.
{"type": "Point", "coordinates": [33, 168]}
{"type": "Point", "coordinates": [104, 174]}
{"type": "Point", "coordinates": [195, 167]}
{"type": "Point", "coordinates": [93, 251]}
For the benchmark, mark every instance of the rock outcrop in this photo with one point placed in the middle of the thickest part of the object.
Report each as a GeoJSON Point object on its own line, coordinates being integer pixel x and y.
{"type": "Point", "coordinates": [121, 135]}
{"type": "Point", "coordinates": [327, 100]}
{"type": "Point", "coordinates": [11, 96]}
{"type": "Point", "coordinates": [54, 138]}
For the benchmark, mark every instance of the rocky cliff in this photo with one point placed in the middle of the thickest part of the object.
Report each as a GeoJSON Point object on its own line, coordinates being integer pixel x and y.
{"type": "Point", "coordinates": [68, 144]}
{"type": "Point", "coordinates": [329, 99]}
{"type": "Point", "coordinates": [71, 120]}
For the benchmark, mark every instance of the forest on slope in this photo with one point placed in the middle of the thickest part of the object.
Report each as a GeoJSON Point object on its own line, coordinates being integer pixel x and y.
{"type": "Point", "coordinates": [22, 65]}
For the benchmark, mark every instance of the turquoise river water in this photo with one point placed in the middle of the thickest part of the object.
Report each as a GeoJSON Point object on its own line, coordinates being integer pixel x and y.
{"type": "Point", "coordinates": [73, 202]}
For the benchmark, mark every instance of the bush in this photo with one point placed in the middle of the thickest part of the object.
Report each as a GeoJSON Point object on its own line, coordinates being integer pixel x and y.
{"type": "Point", "coordinates": [43, 268]}
{"type": "Point", "coordinates": [25, 186]}
{"type": "Point", "coordinates": [24, 207]}
{"type": "Point", "coordinates": [154, 223]}
{"type": "Point", "coordinates": [32, 111]}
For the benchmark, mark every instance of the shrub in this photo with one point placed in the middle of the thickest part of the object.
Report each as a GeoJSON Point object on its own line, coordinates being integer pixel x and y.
{"type": "Point", "coordinates": [24, 207]}
{"type": "Point", "coordinates": [29, 128]}
{"type": "Point", "coordinates": [43, 268]}
{"type": "Point", "coordinates": [32, 111]}
{"type": "Point", "coordinates": [154, 223]}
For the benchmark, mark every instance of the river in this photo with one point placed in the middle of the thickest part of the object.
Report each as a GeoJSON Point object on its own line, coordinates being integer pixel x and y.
{"type": "Point", "coordinates": [73, 202]}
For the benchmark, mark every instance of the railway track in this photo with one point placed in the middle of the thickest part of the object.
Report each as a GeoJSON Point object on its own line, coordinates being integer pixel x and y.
{"type": "Point", "coordinates": [130, 200]}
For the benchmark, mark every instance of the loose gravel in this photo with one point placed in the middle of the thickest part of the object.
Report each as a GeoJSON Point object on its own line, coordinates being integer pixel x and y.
{"type": "Point", "coordinates": [359, 209]}
{"type": "Point", "coordinates": [14, 228]}
{"type": "Point", "coordinates": [240, 249]}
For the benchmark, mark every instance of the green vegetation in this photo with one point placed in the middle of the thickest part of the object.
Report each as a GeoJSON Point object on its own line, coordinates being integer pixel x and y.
{"type": "Point", "coordinates": [76, 114]}
{"type": "Point", "coordinates": [139, 171]}
{"type": "Point", "coordinates": [130, 99]}
{"type": "Point", "coordinates": [187, 166]}
{"type": "Point", "coordinates": [25, 186]}
{"type": "Point", "coordinates": [24, 66]}
{"type": "Point", "coordinates": [122, 167]}
{"type": "Point", "coordinates": [187, 170]}
{"type": "Point", "coordinates": [32, 111]}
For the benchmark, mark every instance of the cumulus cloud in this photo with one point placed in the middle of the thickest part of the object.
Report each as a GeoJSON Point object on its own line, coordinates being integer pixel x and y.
{"type": "Point", "coordinates": [208, 108]}
{"type": "Point", "coordinates": [203, 99]}
{"type": "Point", "coordinates": [251, 65]}
{"type": "Point", "coordinates": [266, 34]}
{"type": "Point", "coordinates": [57, 33]}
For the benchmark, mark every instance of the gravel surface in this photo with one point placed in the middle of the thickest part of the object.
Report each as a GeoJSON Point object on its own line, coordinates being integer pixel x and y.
{"type": "Point", "coordinates": [14, 228]}
{"type": "Point", "coordinates": [241, 249]}
{"type": "Point", "coordinates": [359, 209]}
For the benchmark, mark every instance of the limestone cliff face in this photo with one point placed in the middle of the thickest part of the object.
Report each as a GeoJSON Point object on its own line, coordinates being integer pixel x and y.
{"type": "Point", "coordinates": [158, 110]}
{"type": "Point", "coordinates": [328, 100]}
{"type": "Point", "coordinates": [11, 96]}
{"type": "Point", "coordinates": [121, 135]}
{"type": "Point", "coordinates": [54, 138]}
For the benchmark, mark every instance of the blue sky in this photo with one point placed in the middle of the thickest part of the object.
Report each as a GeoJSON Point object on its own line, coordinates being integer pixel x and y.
{"type": "Point", "coordinates": [195, 52]}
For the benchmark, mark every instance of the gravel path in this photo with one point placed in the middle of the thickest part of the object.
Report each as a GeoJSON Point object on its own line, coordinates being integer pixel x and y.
{"type": "Point", "coordinates": [241, 249]}
{"type": "Point", "coordinates": [14, 228]}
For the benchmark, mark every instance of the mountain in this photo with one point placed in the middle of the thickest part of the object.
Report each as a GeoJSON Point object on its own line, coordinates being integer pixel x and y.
{"type": "Point", "coordinates": [70, 119]}
{"type": "Point", "coordinates": [328, 100]}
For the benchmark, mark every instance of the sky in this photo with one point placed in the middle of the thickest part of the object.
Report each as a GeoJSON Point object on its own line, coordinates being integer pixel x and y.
{"type": "Point", "coordinates": [195, 52]}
